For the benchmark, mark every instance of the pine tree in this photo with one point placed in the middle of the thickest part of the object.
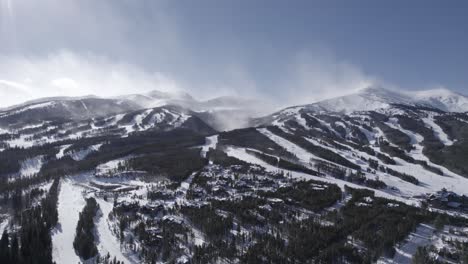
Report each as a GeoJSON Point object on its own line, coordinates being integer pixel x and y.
{"type": "Point", "coordinates": [4, 248]}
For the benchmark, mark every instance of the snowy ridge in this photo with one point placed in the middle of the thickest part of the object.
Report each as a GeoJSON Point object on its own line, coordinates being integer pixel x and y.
{"type": "Point", "coordinates": [27, 108]}
{"type": "Point", "coordinates": [379, 98]}
{"type": "Point", "coordinates": [161, 118]}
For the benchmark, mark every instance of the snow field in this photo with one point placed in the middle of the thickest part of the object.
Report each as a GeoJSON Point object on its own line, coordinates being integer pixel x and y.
{"type": "Point", "coordinates": [70, 204]}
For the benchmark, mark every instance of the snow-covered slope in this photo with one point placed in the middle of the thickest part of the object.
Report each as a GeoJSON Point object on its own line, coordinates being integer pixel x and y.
{"type": "Point", "coordinates": [443, 99]}
{"type": "Point", "coordinates": [164, 118]}
{"type": "Point", "coordinates": [424, 142]}
{"type": "Point", "coordinates": [63, 109]}
{"type": "Point", "coordinates": [373, 98]}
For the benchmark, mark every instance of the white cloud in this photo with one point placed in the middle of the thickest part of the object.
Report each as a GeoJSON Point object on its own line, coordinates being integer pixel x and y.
{"type": "Point", "coordinates": [68, 74]}
{"type": "Point", "coordinates": [314, 76]}
{"type": "Point", "coordinates": [65, 84]}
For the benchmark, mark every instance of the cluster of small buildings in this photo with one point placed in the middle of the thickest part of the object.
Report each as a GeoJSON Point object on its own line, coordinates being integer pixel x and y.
{"type": "Point", "coordinates": [448, 200]}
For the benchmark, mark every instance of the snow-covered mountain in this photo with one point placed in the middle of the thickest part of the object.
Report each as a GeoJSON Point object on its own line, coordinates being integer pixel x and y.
{"type": "Point", "coordinates": [50, 109]}
{"type": "Point", "coordinates": [236, 110]}
{"type": "Point", "coordinates": [304, 184]}
{"type": "Point", "coordinates": [373, 98]}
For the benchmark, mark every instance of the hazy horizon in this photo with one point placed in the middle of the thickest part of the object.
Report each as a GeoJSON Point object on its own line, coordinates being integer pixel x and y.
{"type": "Point", "coordinates": [270, 50]}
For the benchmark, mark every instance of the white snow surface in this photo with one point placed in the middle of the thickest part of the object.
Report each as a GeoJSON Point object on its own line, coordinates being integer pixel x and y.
{"type": "Point", "coordinates": [61, 152]}
{"type": "Point", "coordinates": [211, 142]}
{"type": "Point", "coordinates": [31, 166]}
{"type": "Point", "coordinates": [107, 241]}
{"type": "Point", "coordinates": [70, 204]}
{"type": "Point", "coordinates": [82, 154]}
{"type": "Point", "coordinates": [373, 98]}
{"type": "Point", "coordinates": [29, 107]}
{"type": "Point", "coordinates": [4, 224]}
{"type": "Point", "coordinates": [420, 238]}
{"type": "Point", "coordinates": [438, 131]}
{"type": "Point", "coordinates": [110, 166]}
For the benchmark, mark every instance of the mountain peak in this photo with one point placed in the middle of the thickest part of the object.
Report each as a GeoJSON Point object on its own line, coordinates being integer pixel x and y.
{"type": "Point", "coordinates": [375, 97]}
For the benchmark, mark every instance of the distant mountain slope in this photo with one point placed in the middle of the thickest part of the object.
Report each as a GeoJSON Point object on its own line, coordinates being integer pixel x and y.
{"type": "Point", "coordinates": [423, 142]}
{"type": "Point", "coordinates": [307, 184]}
{"type": "Point", "coordinates": [373, 98]}
{"type": "Point", "coordinates": [64, 109]}
{"type": "Point", "coordinates": [48, 130]}
{"type": "Point", "coordinates": [221, 113]}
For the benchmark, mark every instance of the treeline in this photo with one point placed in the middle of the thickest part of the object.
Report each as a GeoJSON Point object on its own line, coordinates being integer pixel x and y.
{"type": "Point", "coordinates": [205, 218]}
{"type": "Point", "coordinates": [311, 195]}
{"type": "Point", "coordinates": [176, 164]}
{"type": "Point", "coordinates": [282, 163]}
{"type": "Point", "coordinates": [32, 243]}
{"type": "Point", "coordinates": [84, 240]}
{"type": "Point", "coordinates": [374, 164]}
{"type": "Point", "coordinates": [403, 176]}
{"type": "Point", "coordinates": [385, 147]}
{"type": "Point", "coordinates": [365, 222]}
{"type": "Point", "coordinates": [139, 143]}
{"type": "Point", "coordinates": [330, 169]}
{"type": "Point", "coordinates": [377, 227]}
{"type": "Point", "coordinates": [361, 179]}
{"type": "Point", "coordinates": [395, 136]}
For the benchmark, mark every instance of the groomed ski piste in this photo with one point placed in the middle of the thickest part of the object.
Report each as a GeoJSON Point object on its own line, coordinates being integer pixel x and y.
{"type": "Point", "coordinates": [107, 242]}
{"type": "Point", "coordinates": [70, 203]}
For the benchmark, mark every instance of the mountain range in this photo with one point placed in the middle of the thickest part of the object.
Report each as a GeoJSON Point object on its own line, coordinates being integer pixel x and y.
{"type": "Point", "coordinates": [164, 178]}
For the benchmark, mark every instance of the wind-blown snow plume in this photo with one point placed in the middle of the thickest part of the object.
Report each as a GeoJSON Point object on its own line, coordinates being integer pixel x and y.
{"type": "Point", "coordinates": [315, 76]}
{"type": "Point", "coordinates": [68, 74]}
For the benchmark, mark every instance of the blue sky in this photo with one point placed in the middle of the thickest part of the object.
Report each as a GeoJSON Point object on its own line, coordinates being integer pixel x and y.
{"type": "Point", "coordinates": [289, 51]}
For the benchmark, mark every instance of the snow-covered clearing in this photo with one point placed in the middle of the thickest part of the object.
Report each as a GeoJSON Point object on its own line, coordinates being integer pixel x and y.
{"type": "Point", "coordinates": [424, 236]}
{"type": "Point", "coordinates": [31, 166]}
{"type": "Point", "coordinates": [183, 188]}
{"type": "Point", "coordinates": [211, 142]}
{"type": "Point", "coordinates": [70, 204]}
{"type": "Point", "coordinates": [106, 240]}
{"type": "Point", "coordinates": [21, 142]}
{"type": "Point", "coordinates": [420, 238]}
{"type": "Point", "coordinates": [110, 166]}
{"type": "Point", "coordinates": [61, 152]}
{"type": "Point", "coordinates": [82, 154]}
{"type": "Point", "coordinates": [4, 223]}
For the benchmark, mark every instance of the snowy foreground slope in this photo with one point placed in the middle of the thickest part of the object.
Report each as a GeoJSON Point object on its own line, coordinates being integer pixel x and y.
{"type": "Point", "coordinates": [71, 202]}
{"type": "Point", "coordinates": [375, 177]}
